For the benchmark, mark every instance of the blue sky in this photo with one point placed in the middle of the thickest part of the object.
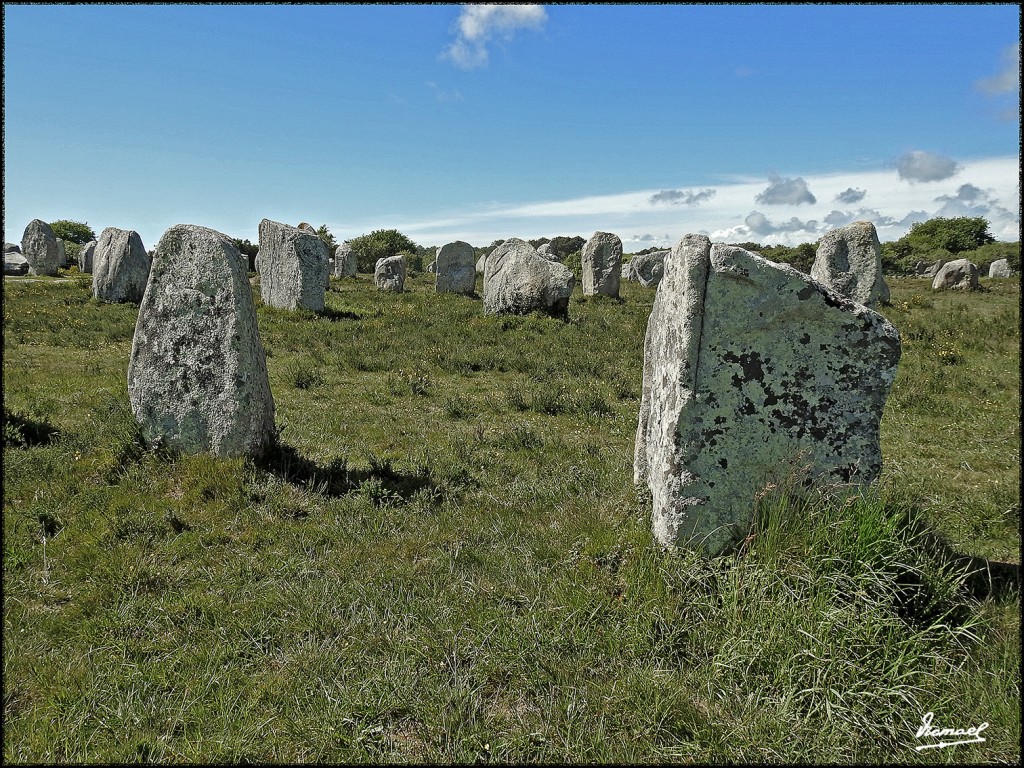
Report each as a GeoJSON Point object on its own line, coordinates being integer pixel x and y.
{"type": "Point", "coordinates": [771, 123]}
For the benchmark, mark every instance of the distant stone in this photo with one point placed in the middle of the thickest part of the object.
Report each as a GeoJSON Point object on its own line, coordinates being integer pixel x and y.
{"type": "Point", "coordinates": [389, 274]}
{"type": "Point", "coordinates": [12, 248]}
{"type": "Point", "coordinates": [544, 249]}
{"type": "Point", "coordinates": [15, 264]}
{"type": "Point", "coordinates": [518, 280]}
{"type": "Point", "coordinates": [87, 256]}
{"type": "Point", "coordinates": [648, 268]}
{"type": "Point", "coordinates": [924, 269]}
{"type": "Point", "coordinates": [602, 264]}
{"type": "Point", "coordinates": [456, 269]}
{"type": "Point", "coordinates": [345, 260]}
{"type": "Point", "coordinates": [432, 267]}
{"type": "Point", "coordinates": [958, 275]}
{"type": "Point", "coordinates": [120, 266]}
{"type": "Point", "coordinates": [42, 249]}
{"type": "Point", "coordinates": [292, 263]}
{"type": "Point", "coordinates": [306, 227]}
{"type": "Point", "coordinates": [849, 261]}
{"type": "Point", "coordinates": [480, 264]}
{"type": "Point", "coordinates": [197, 378]}
{"type": "Point", "coordinates": [750, 367]}
{"type": "Point", "coordinates": [999, 268]}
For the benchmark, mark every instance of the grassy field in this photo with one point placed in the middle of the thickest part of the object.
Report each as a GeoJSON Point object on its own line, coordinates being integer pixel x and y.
{"type": "Point", "coordinates": [445, 560]}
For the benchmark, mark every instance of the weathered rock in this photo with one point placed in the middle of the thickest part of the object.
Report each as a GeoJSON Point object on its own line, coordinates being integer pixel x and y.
{"type": "Point", "coordinates": [305, 226]}
{"type": "Point", "coordinates": [748, 366]}
{"type": "Point", "coordinates": [957, 275]}
{"type": "Point", "coordinates": [15, 264]}
{"type": "Point", "coordinates": [480, 264]}
{"type": "Point", "coordinates": [849, 261]}
{"type": "Point", "coordinates": [120, 266]}
{"type": "Point", "coordinates": [42, 249]}
{"type": "Point", "coordinates": [292, 263]}
{"type": "Point", "coordinates": [87, 256]}
{"type": "Point", "coordinates": [602, 264]}
{"type": "Point", "coordinates": [12, 248]}
{"type": "Point", "coordinates": [517, 280]}
{"type": "Point", "coordinates": [389, 274]}
{"type": "Point", "coordinates": [456, 269]}
{"type": "Point", "coordinates": [648, 268]}
{"type": "Point", "coordinates": [197, 378]}
{"type": "Point", "coordinates": [999, 268]}
{"type": "Point", "coordinates": [345, 260]}
{"type": "Point", "coordinates": [924, 269]}
{"type": "Point", "coordinates": [432, 267]}
{"type": "Point", "coordinates": [544, 249]}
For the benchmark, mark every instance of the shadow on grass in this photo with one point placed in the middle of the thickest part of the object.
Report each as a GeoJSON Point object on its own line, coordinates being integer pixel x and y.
{"type": "Point", "coordinates": [20, 431]}
{"type": "Point", "coordinates": [381, 482]}
{"type": "Point", "coordinates": [334, 315]}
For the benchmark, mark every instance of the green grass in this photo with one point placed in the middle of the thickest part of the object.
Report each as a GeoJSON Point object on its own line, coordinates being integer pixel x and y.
{"type": "Point", "coordinates": [446, 560]}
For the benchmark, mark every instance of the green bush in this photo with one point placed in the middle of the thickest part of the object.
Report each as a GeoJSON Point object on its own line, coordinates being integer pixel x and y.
{"type": "Point", "coordinates": [381, 244]}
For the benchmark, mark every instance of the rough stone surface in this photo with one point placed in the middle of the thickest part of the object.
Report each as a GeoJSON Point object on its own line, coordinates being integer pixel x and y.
{"type": "Point", "coordinates": [292, 263]}
{"type": "Point", "coordinates": [957, 275]}
{"type": "Point", "coordinates": [749, 366]}
{"type": "Point", "coordinates": [389, 274]}
{"type": "Point", "coordinates": [15, 264]}
{"type": "Point", "coordinates": [924, 269]}
{"type": "Point", "coordinates": [197, 378]}
{"type": "Point", "coordinates": [602, 264]}
{"type": "Point", "coordinates": [480, 264]}
{"type": "Point", "coordinates": [42, 249]}
{"type": "Point", "coordinates": [999, 268]}
{"type": "Point", "coordinates": [120, 266]}
{"type": "Point", "coordinates": [456, 269]}
{"type": "Point", "coordinates": [648, 268]}
{"type": "Point", "coordinates": [345, 260]}
{"type": "Point", "coordinates": [87, 256]}
{"type": "Point", "coordinates": [12, 248]}
{"type": "Point", "coordinates": [849, 261]}
{"type": "Point", "coordinates": [544, 249]}
{"type": "Point", "coordinates": [518, 280]}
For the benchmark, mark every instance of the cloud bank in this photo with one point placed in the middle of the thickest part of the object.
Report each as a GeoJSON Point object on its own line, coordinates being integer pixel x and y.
{"type": "Point", "coordinates": [681, 197]}
{"type": "Point", "coordinates": [786, 192]}
{"type": "Point", "coordinates": [478, 25]}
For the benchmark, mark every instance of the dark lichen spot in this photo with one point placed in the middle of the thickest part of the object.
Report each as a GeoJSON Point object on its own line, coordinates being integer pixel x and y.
{"type": "Point", "coordinates": [805, 339]}
{"type": "Point", "coordinates": [805, 293]}
{"type": "Point", "coordinates": [723, 463]}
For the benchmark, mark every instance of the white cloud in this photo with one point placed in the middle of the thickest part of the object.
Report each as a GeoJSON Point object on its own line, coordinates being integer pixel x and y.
{"type": "Point", "coordinates": [759, 224]}
{"type": "Point", "coordinates": [925, 166]}
{"type": "Point", "coordinates": [1007, 80]}
{"type": "Point", "coordinates": [786, 192]}
{"type": "Point", "coordinates": [479, 24]}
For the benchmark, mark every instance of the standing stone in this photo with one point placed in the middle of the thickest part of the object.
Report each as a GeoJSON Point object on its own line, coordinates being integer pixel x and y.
{"type": "Point", "coordinates": [41, 249]}
{"type": "Point", "coordinates": [291, 263]}
{"type": "Point", "coordinates": [120, 266]}
{"type": "Point", "coordinates": [432, 267]}
{"type": "Point", "coordinates": [749, 365]}
{"type": "Point", "coordinates": [602, 264]}
{"type": "Point", "coordinates": [12, 248]}
{"type": "Point", "coordinates": [480, 264]}
{"type": "Point", "coordinates": [924, 269]}
{"type": "Point", "coordinates": [87, 256]}
{"type": "Point", "coordinates": [999, 268]}
{"type": "Point", "coordinates": [518, 280]}
{"type": "Point", "coordinates": [15, 264]}
{"type": "Point", "coordinates": [849, 261]}
{"type": "Point", "coordinates": [389, 274]}
{"type": "Point", "coordinates": [456, 269]}
{"type": "Point", "coordinates": [648, 268]}
{"type": "Point", "coordinates": [958, 275]}
{"type": "Point", "coordinates": [345, 260]}
{"type": "Point", "coordinates": [197, 378]}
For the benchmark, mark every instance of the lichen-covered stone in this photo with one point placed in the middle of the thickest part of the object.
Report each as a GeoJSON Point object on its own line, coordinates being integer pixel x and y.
{"type": "Point", "coordinates": [42, 249]}
{"type": "Point", "coordinates": [389, 274]}
{"type": "Point", "coordinates": [292, 264]}
{"type": "Point", "coordinates": [999, 268]}
{"type": "Point", "coordinates": [87, 256]}
{"type": "Point", "coordinates": [849, 261]}
{"type": "Point", "coordinates": [957, 275]}
{"type": "Point", "coordinates": [197, 378]}
{"type": "Point", "coordinates": [601, 261]}
{"type": "Point", "coordinates": [518, 280]}
{"type": "Point", "coordinates": [456, 268]}
{"type": "Point", "coordinates": [749, 365]}
{"type": "Point", "coordinates": [120, 266]}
